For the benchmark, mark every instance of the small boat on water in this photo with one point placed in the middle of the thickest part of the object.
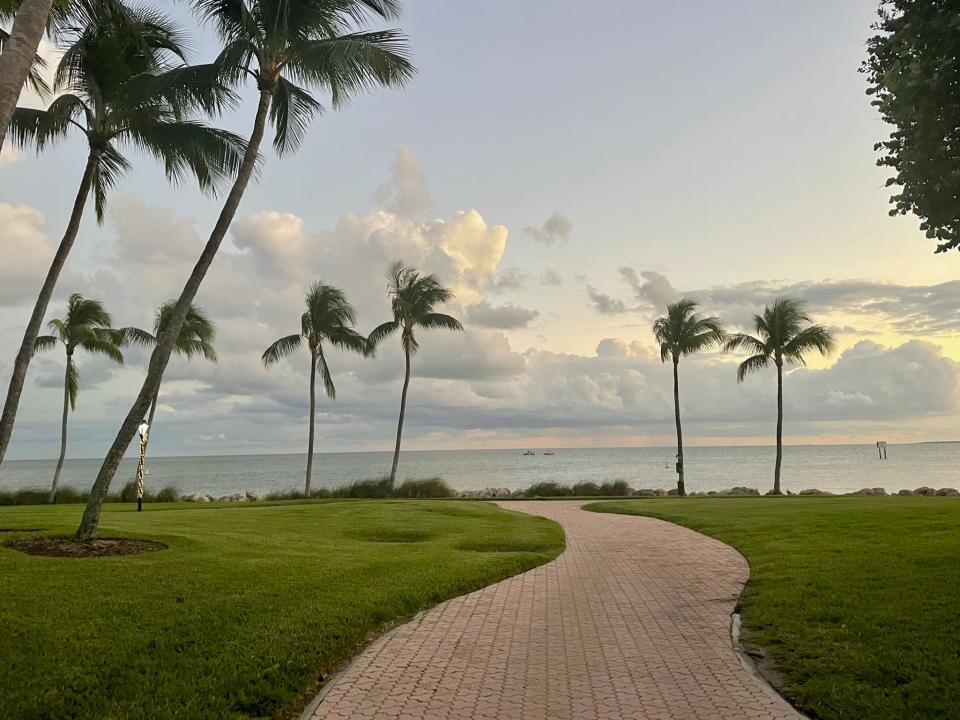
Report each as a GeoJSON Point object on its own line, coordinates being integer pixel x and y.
{"type": "Point", "coordinates": [529, 452]}
{"type": "Point", "coordinates": [549, 452]}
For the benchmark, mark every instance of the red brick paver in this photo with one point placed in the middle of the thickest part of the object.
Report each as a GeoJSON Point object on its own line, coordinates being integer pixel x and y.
{"type": "Point", "coordinates": [631, 622]}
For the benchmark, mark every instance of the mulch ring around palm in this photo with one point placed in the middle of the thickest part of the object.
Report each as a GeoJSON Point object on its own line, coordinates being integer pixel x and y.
{"type": "Point", "coordinates": [68, 547]}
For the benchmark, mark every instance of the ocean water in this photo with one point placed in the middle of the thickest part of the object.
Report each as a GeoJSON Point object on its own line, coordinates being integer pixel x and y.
{"type": "Point", "coordinates": [837, 468]}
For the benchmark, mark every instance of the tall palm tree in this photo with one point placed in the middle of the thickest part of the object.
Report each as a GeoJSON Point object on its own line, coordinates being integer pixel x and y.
{"type": "Point", "coordinates": [682, 332]}
{"type": "Point", "coordinates": [413, 298]}
{"type": "Point", "coordinates": [86, 326]}
{"type": "Point", "coordinates": [329, 319]}
{"type": "Point", "coordinates": [194, 339]}
{"type": "Point", "coordinates": [271, 41]}
{"type": "Point", "coordinates": [785, 335]}
{"type": "Point", "coordinates": [121, 90]}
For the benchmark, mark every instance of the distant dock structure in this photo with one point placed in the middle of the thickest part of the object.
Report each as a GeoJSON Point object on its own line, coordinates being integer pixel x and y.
{"type": "Point", "coordinates": [882, 449]}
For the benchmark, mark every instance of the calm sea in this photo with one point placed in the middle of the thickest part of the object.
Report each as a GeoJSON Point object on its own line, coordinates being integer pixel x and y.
{"type": "Point", "coordinates": [837, 468]}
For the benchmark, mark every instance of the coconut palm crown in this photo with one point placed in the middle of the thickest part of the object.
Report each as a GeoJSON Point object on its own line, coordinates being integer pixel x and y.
{"type": "Point", "coordinates": [682, 332]}
{"type": "Point", "coordinates": [329, 320]}
{"type": "Point", "coordinates": [123, 84]}
{"type": "Point", "coordinates": [785, 335]}
{"type": "Point", "coordinates": [86, 326]}
{"type": "Point", "coordinates": [413, 299]}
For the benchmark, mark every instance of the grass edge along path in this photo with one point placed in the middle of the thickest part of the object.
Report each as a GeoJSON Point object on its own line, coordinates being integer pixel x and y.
{"type": "Point", "coordinates": [853, 599]}
{"type": "Point", "coordinates": [245, 610]}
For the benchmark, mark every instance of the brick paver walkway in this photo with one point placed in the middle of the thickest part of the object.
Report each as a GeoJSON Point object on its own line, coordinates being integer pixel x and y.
{"type": "Point", "coordinates": [632, 622]}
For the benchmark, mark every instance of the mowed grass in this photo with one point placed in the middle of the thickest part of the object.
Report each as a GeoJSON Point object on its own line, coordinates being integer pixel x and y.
{"type": "Point", "coordinates": [245, 611]}
{"type": "Point", "coordinates": [854, 599]}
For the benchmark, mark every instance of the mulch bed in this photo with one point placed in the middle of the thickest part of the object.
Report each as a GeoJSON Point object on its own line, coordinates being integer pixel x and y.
{"type": "Point", "coordinates": [68, 547]}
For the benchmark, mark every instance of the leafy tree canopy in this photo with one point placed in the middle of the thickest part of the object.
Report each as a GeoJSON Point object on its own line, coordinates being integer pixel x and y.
{"type": "Point", "coordinates": [913, 67]}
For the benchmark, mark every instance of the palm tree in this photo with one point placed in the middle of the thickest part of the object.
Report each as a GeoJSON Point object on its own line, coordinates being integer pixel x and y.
{"type": "Point", "coordinates": [194, 339]}
{"type": "Point", "coordinates": [785, 335]}
{"type": "Point", "coordinates": [306, 40]}
{"type": "Point", "coordinates": [329, 319]}
{"type": "Point", "coordinates": [120, 89]}
{"type": "Point", "coordinates": [682, 332]}
{"type": "Point", "coordinates": [86, 326]}
{"type": "Point", "coordinates": [413, 298]}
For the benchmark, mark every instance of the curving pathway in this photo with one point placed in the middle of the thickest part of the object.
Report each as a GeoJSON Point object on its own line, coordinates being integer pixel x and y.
{"type": "Point", "coordinates": [631, 622]}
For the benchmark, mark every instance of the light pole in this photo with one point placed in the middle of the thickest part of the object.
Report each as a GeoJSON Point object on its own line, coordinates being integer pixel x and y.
{"type": "Point", "coordinates": [142, 430]}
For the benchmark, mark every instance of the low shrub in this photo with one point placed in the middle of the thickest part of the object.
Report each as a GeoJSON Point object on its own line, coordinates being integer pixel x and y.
{"type": "Point", "coordinates": [381, 488]}
{"type": "Point", "coordinates": [168, 494]}
{"type": "Point", "coordinates": [427, 488]}
{"type": "Point", "coordinates": [547, 489]}
{"type": "Point", "coordinates": [128, 494]}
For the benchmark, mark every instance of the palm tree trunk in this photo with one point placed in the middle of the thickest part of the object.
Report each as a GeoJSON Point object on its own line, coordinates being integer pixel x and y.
{"type": "Point", "coordinates": [63, 429]}
{"type": "Point", "coordinates": [313, 406]}
{"type": "Point", "coordinates": [776, 472]}
{"type": "Point", "coordinates": [403, 410]}
{"type": "Point", "coordinates": [17, 56]}
{"type": "Point", "coordinates": [25, 353]}
{"type": "Point", "coordinates": [681, 488]}
{"type": "Point", "coordinates": [161, 353]}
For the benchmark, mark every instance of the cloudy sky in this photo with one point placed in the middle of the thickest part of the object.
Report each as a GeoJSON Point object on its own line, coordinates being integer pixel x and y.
{"type": "Point", "coordinates": [568, 174]}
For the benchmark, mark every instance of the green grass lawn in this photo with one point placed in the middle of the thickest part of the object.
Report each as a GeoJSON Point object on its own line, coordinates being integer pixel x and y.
{"type": "Point", "coordinates": [856, 600]}
{"type": "Point", "coordinates": [245, 610]}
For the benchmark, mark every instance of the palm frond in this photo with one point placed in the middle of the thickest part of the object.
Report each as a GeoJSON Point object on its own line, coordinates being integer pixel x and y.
{"type": "Point", "coordinates": [752, 364]}
{"type": "Point", "coordinates": [382, 332]}
{"type": "Point", "coordinates": [739, 342]}
{"type": "Point", "coordinates": [324, 371]}
{"type": "Point", "coordinates": [72, 380]}
{"type": "Point", "coordinates": [187, 147]}
{"type": "Point", "coordinates": [353, 63]}
{"type": "Point", "coordinates": [291, 110]}
{"type": "Point", "coordinates": [281, 349]}
{"type": "Point", "coordinates": [813, 337]}
{"type": "Point", "coordinates": [439, 321]}
{"type": "Point", "coordinates": [44, 343]}
{"type": "Point", "coordinates": [136, 336]}
{"type": "Point", "coordinates": [110, 166]}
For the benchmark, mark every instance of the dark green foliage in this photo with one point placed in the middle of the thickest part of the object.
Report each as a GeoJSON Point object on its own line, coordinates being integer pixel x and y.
{"type": "Point", "coordinates": [854, 598]}
{"type": "Point", "coordinates": [245, 610]}
{"type": "Point", "coordinates": [168, 494]}
{"type": "Point", "coordinates": [427, 488]}
{"type": "Point", "coordinates": [913, 68]}
{"type": "Point", "coordinates": [547, 489]}
{"type": "Point", "coordinates": [65, 496]}
{"type": "Point", "coordinates": [582, 489]}
{"type": "Point", "coordinates": [128, 494]}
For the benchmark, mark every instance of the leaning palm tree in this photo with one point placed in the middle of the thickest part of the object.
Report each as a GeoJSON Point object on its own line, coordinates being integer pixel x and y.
{"type": "Point", "coordinates": [682, 332]}
{"type": "Point", "coordinates": [413, 298]}
{"type": "Point", "coordinates": [86, 326]}
{"type": "Point", "coordinates": [329, 320]}
{"type": "Point", "coordinates": [274, 43]}
{"type": "Point", "coordinates": [120, 90]}
{"type": "Point", "coordinates": [785, 335]}
{"type": "Point", "coordinates": [194, 339]}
